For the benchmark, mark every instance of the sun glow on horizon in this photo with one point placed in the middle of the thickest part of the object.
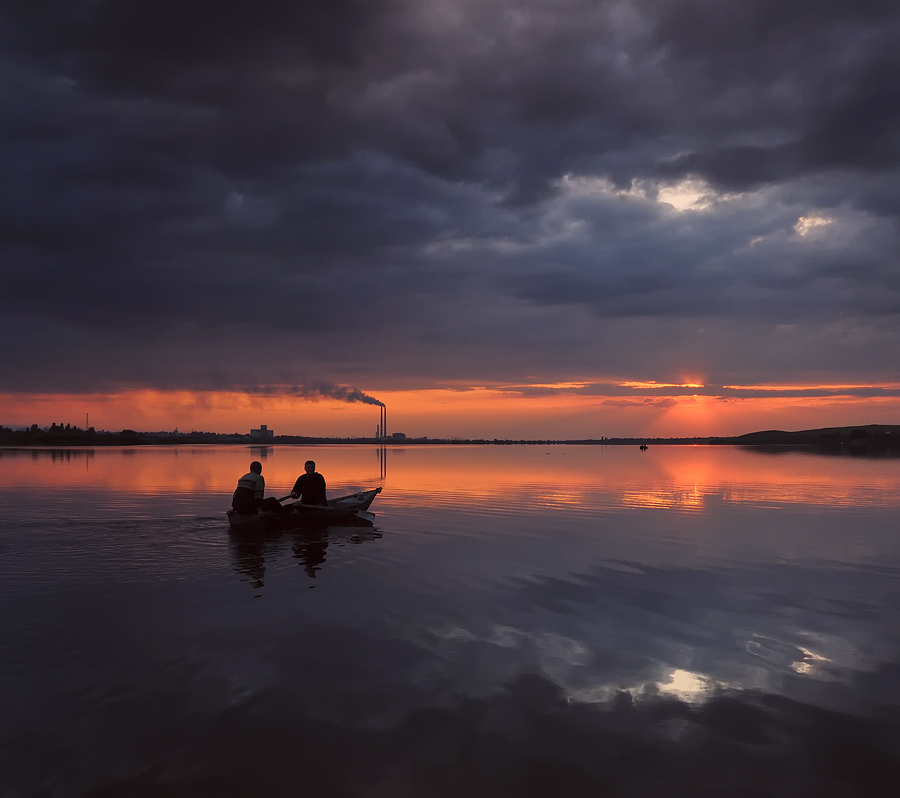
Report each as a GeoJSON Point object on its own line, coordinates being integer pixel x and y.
{"type": "Point", "coordinates": [560, 411]}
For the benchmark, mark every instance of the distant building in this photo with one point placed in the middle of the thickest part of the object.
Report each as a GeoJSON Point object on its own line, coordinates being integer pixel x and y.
{"type": "Point", "coordinates": [262, 434]}
{"type": "Point", "coordinates": [398, 436]}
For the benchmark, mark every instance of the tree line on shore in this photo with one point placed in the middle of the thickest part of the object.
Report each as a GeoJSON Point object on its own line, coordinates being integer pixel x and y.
{"type": "Point", "coordinates": [872, 438]}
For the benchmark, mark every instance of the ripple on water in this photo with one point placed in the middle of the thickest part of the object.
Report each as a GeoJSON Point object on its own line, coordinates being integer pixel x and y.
{"type": "Point", "coordinates": [58, 552]}
{"type": "Point", "coordinates": [141, 628]}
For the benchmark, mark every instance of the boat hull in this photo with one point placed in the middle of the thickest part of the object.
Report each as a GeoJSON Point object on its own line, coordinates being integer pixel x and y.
{"type": "Point", "coordinates": [344, 511]}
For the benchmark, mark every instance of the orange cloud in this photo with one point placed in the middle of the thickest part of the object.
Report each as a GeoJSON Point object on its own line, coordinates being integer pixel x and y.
{"type": "Point", "coordinates": [479, 412]}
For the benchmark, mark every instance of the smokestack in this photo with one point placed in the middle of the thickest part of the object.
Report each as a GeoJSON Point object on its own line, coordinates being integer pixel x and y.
{"type": "Point", "coordinates": [384, 408]}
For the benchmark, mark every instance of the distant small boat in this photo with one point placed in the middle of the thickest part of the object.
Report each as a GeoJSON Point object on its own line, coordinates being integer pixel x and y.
{"type": "Point", "coordinates": [349, 510]}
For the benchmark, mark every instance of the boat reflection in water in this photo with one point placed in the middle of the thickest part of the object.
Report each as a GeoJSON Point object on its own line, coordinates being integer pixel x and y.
{"type": "Point", "coordinates": [251, 550]}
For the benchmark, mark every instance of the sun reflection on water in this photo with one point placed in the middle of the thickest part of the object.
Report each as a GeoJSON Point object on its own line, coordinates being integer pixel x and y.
{"type": "Point", "coordinates": [665, 477]}
{"type": "Point", "coordinates": [686, 685]}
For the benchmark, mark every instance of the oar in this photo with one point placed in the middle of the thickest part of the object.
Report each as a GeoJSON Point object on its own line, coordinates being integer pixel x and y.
{"type": "Point", "coordinates": [341, 498]}
{"type": "Point", "coordinates": [351, 495]}
{"type": "Point", "coordinates": [331, 502]}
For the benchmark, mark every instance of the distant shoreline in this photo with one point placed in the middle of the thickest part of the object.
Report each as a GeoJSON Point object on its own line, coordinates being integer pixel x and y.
{"type": "Point", "coordinates": [872, 437]}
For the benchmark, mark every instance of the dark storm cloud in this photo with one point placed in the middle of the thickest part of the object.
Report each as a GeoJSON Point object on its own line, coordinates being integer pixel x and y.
{"type": "Point", "coordinates": [844, 77]}
{"type": "Point", "coordinates": [467, 190]}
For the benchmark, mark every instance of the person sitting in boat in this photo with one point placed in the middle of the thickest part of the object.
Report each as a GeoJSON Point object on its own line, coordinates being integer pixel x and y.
{"type": "Point", "coordinates": [310, 487]}
{"type": "Point", "coordinates": [248, 496]}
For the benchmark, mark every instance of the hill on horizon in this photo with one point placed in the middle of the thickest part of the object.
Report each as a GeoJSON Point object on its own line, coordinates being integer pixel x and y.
{"type": "Point", "coordinates": [863, 433]}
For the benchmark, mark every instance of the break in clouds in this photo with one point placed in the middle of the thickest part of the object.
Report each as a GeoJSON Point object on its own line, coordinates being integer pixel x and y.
{"type": "Point", "coordinates": [392, 194]}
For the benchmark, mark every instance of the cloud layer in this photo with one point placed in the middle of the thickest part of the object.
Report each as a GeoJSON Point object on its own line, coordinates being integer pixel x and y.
{"type": "Point", "coordinates": [220, 194]}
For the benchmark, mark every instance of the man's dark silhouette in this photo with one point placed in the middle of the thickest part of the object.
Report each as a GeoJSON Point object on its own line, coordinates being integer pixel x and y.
{"type": "Point", "coordinates": [310, 487]}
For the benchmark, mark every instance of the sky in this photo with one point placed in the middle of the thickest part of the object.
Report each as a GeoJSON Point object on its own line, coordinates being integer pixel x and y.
{"type": "Point", "coordinates": [529, 219]}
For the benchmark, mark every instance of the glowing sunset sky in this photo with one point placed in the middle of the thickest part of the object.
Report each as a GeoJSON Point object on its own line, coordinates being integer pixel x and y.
{"type": "Point", "coordinates": [526, 219]}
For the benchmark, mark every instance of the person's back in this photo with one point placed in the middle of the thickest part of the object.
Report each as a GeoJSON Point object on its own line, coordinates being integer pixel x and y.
{"type": "Point", "coordinates": [248, 495]}
{"type": "Point", "coordinates": [310, 487]}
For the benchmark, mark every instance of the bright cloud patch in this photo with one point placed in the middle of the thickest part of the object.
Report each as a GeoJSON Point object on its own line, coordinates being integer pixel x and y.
{"type": "Point", "coordinates": [686, 195]}
{"type": "Point", "coordinates": [807, 223]}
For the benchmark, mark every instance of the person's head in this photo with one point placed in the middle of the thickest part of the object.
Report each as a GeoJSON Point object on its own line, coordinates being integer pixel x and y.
{"type": "Point", "coordinates": [310, 466]}
{"type": "Point", "coordinates": [256, 467]}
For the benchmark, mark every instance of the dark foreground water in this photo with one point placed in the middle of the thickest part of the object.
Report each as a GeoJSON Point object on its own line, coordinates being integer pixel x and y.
{"type": "Point", "coordinates": [520, 621]}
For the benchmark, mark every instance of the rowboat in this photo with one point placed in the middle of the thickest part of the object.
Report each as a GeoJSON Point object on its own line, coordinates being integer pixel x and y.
{"type": "Point", "coordinates": [349, 510]}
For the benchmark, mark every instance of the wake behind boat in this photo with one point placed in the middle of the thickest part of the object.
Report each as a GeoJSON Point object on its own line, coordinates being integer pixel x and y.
{"type": "Point", "coordinates": [349, 510]}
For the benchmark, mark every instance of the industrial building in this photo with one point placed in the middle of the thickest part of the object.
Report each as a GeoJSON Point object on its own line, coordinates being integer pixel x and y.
{"type": "Point", "coordinates": [262, 434]}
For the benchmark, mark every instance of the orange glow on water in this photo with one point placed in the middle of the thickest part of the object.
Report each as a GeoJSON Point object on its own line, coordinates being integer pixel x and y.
{"type": "Point", "coordinates": [666, 477]}
{"type": "Point", "coordinates": [156, 469]}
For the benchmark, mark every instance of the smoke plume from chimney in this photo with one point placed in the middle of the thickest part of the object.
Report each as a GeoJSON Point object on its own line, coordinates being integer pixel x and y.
{"type": "Point", "coordinates": [317, 390]}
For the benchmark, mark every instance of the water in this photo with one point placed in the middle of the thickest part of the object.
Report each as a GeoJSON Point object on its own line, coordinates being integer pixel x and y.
{"type": "Point", "coordinates": [519, 621]}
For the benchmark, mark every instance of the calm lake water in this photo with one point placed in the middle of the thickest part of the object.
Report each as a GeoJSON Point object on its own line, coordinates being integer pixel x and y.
{"type": "Point", "coordinates": [520, 620]}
